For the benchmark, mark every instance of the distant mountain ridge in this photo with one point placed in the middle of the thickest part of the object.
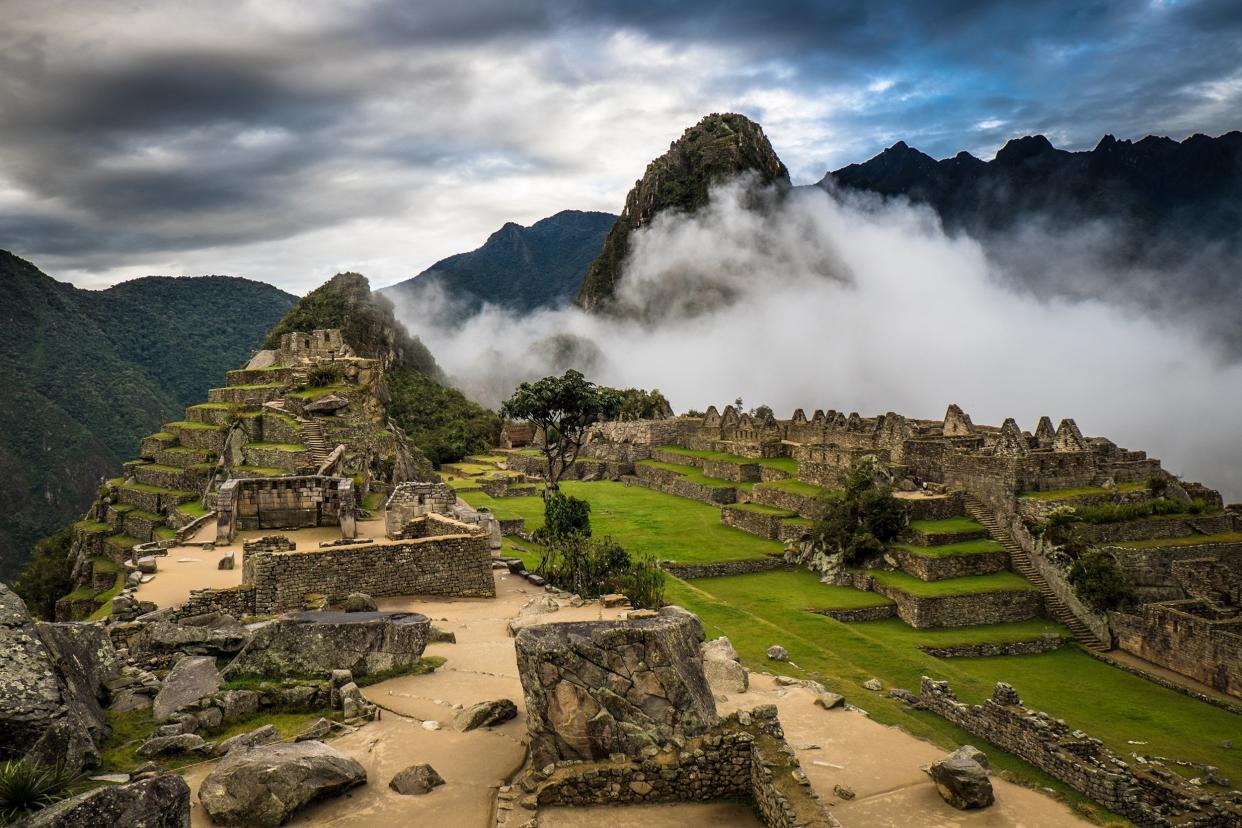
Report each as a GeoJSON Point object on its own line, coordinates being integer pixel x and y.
{"type": "Point", "coordinates": [89, 373]}
{"type": "Point", "coordinates": [521, 269]}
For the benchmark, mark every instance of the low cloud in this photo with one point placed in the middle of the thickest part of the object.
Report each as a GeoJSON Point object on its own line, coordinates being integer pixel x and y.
{"type": "Point", "coordinates": [821, 301]}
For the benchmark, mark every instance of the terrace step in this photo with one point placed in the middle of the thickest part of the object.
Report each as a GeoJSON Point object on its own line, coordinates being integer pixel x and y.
{"type": "Point", "coordinates": [1022, 564]}
{"type": "Point", "coordinates": [315, 440]}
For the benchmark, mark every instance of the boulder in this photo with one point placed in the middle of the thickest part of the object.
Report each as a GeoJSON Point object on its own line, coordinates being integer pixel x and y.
{"type": "Point", "coordinates": [52, 677]}
{"type": "Point", "coordinates": [485, 714]}
{"type": "Point", "coordinates": [326, 405]}
{"type": "Point", "coordinates": [539, 605]}
{"type": "Point", "coordinates": [261, 736]}
{"type": "Point", "coordinates": [146, 565]}
{"type": "Point", "coordinates": [723, 669]}
{"type": "Point", "coordinates": [227, 561]}
{"type": "Point", "coordinates": [962, 778]}
{"type": "Point", "coordinates": [439, 636]}
{"type": "Point", "coordinates": [597, 688]}
{"type": "Point", "coordinates": [778, 653]}
{"type": "Point", "coordinates": [359, 602]}
{"type": "Point", "coordinates": [316, 643]}
{"type": "Point", "coordinates": [873, 684]}
{"type": "Point", "coordinates": [829, 700]}
{"type": "Point", "coordinates": [265, 785]}
{"type": "Point", "coordinates": [192, 678]}
{"type": "Point", "coordinates": [416, 780]}
{"type": "Point", "coordinates": [318, 729]}
{"type": "Point", "coordinates": [180, 743]}
{"type": "Point", "coordinates": [224, 637]}
{"type": "Point", "coordinates": [614, 599]}
{"type": "Point", "coordinates": [158, 801]}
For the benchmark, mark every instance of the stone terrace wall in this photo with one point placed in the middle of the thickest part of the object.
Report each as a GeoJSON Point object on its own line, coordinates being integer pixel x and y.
{"type": "Point", "coordinates": [763, 524]}
{"type": "Point", "coordinates": [942, 567]}
{"type": "Point", "coordinates": [670, 482]}
{"type": "Point", "coordinates": [720, 568]}
{"type": "Point", "coordinates": [1078, 760]}
{"type": "Point", "coordinates": [236, 601]}
{"type": "Point", "coordinates": [743, 757]}
{"type": "Point", "coordinates": [936, 507]}
{"type": "Point", "coordinates": [409, 500]}
{"type": "Point", "coordinates": [986, 649]}
{"type": "Point", "coordinates": [780, 499]}
{"type": "Point", "coordinates": [1151, 570]}
{"type": "Point", "coordinates": [956, 610]}
{"type": "Point", "coordinates": [1185, 637]}
{"type": "Point", "coordinates": [1168, 527]}
{"type": "Point", "coordinates": [456, 565]}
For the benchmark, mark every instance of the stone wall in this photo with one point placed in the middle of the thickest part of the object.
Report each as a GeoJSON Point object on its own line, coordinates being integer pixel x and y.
{"type": "Point", "coordinates": [934, 507]}
{"type": "Point", "coordinates": [860, 613]}
{"type": "Point", "coordinates": [927, 612]}
{"type": "Point", "coordinates": [763, 524]}
{"type": "Point", "coordinates": [236, 601]}
{"type": "Point", "coordinates": [670, 482]}
{"type": "Point", "coordinates": [1144, 795]}
{"type": "Point", "coordinates": [720, 568]}
{"type": "Point", "coordinates": [428, 526]}
{"type": "Point", "coordinates": [285, 503]}
{"type": "Point", "coordinates": [638, 432]}
{"type": "Point", "coordinates": [456, 565]}
{"type": "Point", "coordinates": [1151, 570]}
{"type": "Point", "coordinates": [780, 499]}
{"type": "Point", "coordinates": [744, 756]}
{"type": "Point", "coordinates": [409, 500]}
{"type": "Point", "coordinates": [1031, 646]}
{"type": "Point", "coordinates": [1163, 527]}
{"type": "Point", "coordinates": [942, 567]}
{"type": "Point", "coordinates": [1192, 637]}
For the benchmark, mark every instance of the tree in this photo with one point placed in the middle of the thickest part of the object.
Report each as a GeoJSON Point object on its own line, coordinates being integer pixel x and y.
{"type": "Point", "coordinates": [1100, 582]}
{"type": "Point", "coordinates": [763, 413]}
{"type": "Point", "coordinates": [637, 404]}
{"type": "Point", "coordinates": [47, 576]}
{"type": "Point", "coordinates": [565, 408]}
{"type": "Point", "coordinates": [859, 520]}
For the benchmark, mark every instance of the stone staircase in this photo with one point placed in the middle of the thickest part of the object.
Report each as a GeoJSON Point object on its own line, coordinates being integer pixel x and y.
{"type": "Point", "coordinates": [1022, 564]}
{"type": "Point", "coordinates": [315, 441]}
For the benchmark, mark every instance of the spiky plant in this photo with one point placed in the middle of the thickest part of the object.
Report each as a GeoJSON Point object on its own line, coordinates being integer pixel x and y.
{"type": "Point", "coordinates": [27, 785]}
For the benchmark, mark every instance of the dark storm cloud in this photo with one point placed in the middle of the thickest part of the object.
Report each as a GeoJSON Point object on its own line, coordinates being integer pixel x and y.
{"type": "Point", "coordinates": [132, 130]}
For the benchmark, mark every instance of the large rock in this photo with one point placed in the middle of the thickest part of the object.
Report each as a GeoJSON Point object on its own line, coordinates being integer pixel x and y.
{"type": "Point", "coordinates": [316, 643]}
{"type": "Point", "coordinates": [722, 667]}
{"type": "Point", "coordinates": [485, 714]}
{"type": "Point", "coordinates": [416, 780]}
{"type": "Point", "coordinates": [962, 778]}
{"type": "Point", "coordinates": [264, 786]}
{"type": "Point", "coordinates": [175, 743]}
{"type": "Point", "coordinates": [261, 736]}
{"type": "Point", "coordinates": [359, 602]}
{"type": "Point", "coordinates": [52, 680]}
{"type": "Point", "coordinates": [223, 635]}
{"type": "Point", "coordinates": [595, 688]}
{"type": "Point", "coordinates": [161, 801]}
{"type": "Point", "coordinates": [192, 678]}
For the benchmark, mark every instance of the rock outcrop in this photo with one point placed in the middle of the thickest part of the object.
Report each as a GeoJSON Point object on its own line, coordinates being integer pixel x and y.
{"type": "Point", "coordinates": [192, 678]}
{"type": "Point", "coordinates": [723, 669]}
{"type": "Point", "coordinates": [161, 801]}
{"type": "Point", "coordinates": [52, 680]}
{"type": "Point", "coordinates": [595, 688]}
{"type": "Point", "coordinates": [714, 150]}
{"type": "Point", "coordinates": [316, 643]}
{"type": "Point", "coordinates": [485, 714]}
{"type": "Point", "coordinates": [265, 785]}
{"type": "Point", "coordinates": [962, 778]}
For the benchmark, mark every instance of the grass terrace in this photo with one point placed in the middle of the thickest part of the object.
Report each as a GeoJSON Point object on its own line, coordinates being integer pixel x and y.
{"type": "Point", "coordinates": [165, 533]}
{"type": "Point", "coordinates": [260, 471]}
{"type": "Point", "coordinates": [1083, 491]}
{"type": "Point", "coordinates": [162, 436]}
{"type": "Point", "coordinates": [948, 526]}
{"type": "Point", "coordinates": [253, 387]}
{"type": "Point", "coordinates": [643, 521]}
{"type": "Point", "coordinates": [122, 541]}
{"type": "Point", "coordinates": [485, 459]}
{"type": "Point", "coordinates": [315, 392]}
{"type": "Point", "coordinates": [797, 487]}
{"type": "Point", "coordinates": [761, 509]}
{"type": "Point", "coordinates": [149, 489]}
{"type": "Point", "coordinates": [1187, 540]}
{"type": "Point", "coordinates": [292, 448]}
{"type": "Point", "coordinates": [93, 527]}
{"type": "Point", "coordinates": [192, 509]}
{"type": "Point", "coordinates": [187, 425]}
{"type": "Point", "coordinates": [785, 464]}
{"type": "Point", "coordinates": [970, 585]}
{"type": "Point", "coordinates": [210, 406]}
{"type": "Point", "coordinates": [949, 550]}
{"type": "Point", "coordinates": [374, 501]}
{"type": "Point", "coordinates": [695, 475]}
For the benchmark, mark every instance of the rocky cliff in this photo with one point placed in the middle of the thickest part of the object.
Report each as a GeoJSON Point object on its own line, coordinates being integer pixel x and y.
{"type": "Point", "coordinates": [717, 148]}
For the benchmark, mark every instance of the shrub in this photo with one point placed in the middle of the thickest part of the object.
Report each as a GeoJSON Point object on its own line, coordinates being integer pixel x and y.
{"type": "Point", "coordinates": [1099, 581]}
{"type": "Point", "coordinates": [321, 375]}
{"type": "Point", "coordinates": [47, 576]}
{"type": "Point", "coordinates": [644, 583]}
{"type": "Point", "coordinates": [587, 566]}
{"type": "Point", "coordinates": [860, 520]}
{"type": "Point", "coordinates": [27, 786]}
{"type": "Point", "coordinates": [1157, 486]}
{"type": "Point", "coordinates": [563, 516]}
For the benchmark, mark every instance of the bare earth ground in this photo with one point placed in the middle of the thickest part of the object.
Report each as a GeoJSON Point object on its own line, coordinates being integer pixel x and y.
{"type": "Point", "coordinates": [881, 764]}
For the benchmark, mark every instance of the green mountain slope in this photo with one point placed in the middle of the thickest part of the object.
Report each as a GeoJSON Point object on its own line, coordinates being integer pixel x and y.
{"type": "Point", "coordinates": [89, 373]}
{"type": "Point", "coordinates": [715, 149]}
{"type": "Point", "coordinates": [522, 269]}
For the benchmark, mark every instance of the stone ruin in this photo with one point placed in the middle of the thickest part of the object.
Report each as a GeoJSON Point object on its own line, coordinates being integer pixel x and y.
{"type": "Point", "coordinates": [415, 499]}
{"type": "Point", "coordinates": [620, 712]}
{"type": "Point", "coordinates": [1147, 793]}
{"type": "Point", "coordinates": [293, 502]}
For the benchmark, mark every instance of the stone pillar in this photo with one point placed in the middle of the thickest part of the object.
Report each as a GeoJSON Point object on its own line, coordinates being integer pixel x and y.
{"type": "Point", "coordinates": [226, 503]}
{"type": "Point", "coordinates": [346, 508]}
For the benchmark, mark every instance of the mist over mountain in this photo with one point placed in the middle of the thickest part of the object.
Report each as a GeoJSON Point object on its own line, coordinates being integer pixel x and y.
{"type": "Point", "coordinates": [89, 373]}
{"type": "Point", "coordinates": [522, 269]}
{"type": "Point", "coordinates": [1160, 217]}
{"type": "Point", "coordinates": [715, 150]}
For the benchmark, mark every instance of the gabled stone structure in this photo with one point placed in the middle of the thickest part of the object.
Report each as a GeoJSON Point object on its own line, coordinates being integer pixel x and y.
{"type": "Point", "coordinates": [957, 423]}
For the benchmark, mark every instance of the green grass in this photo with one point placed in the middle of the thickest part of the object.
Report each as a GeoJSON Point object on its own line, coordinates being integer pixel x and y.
{"type": "Point", "coordinates": [104, 599]}
{"type": "Point", "coordinates": [1083, 491]}
{"type": "Point", "coordinates": [948, 550]}
{"type": "Point", "coordinates": [1187, 540]}
{"type": "Point", "coordinates": [797, 487]}
{"type": "Point", "coordinates": [165, 533]}
{"type": "Point", "coordinates": [785, 587]}
{"type": "Point", "coordinates": [289, 447]}
{"type": "Point", "coordinates": [187, 425]}
{"type": "Point", "coordinates": [486, 458]}
{"type": "Point", "coordinates": [785, 464]}
{"type": "Point", "coordinates": [373, 502]}
{"type": "Point", "coordinates": [215, 406]}
{"type": "Point", "coordinates": [759, 508]}
{"type": "Point", "coordinates": [529, 553]}
{"type": "Point", "coordinates": [93, 527]}
{"type": "Point", "coordinates": [262, 471]}
{"type": "Point", "coordinates": [253, 387]}
{"type": "Point", "coordinates": [643, 521]}
{"type": "Point", "coordinates": [122, 541]}
{"type": "Point", "coordinates": [193, 509]}
{"type": "Point", "coordinates": [149, 489]}
{"type": "Point", "coordinates": [318, 391]}
{"type": "Point", "coordinates": [138, 513]}
{"type": "Point", "coordinates": [123, 508]}
{"type": "Point", "coordinates": [970, 585]}
{"type": "Point", "coordinates": [694, 474]}
{"type": "Point", "coordinates": [469, 468]}
{"type": "Point", "coordinates": [160, 435]}
{"type": "Point", "coordinates": [460, 483]}
{"type": "Point", "coordinates": [948, 526]}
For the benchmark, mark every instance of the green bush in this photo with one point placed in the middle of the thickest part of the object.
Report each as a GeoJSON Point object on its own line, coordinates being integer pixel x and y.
{"type": "Point", "coordinates": [47, 576]}
{"type": "Point", "coordinates": [587, 566]}
{"type": "Point", "coordinates": [1099, 581]}
{"type": "Point", "coordinates": [860, 520]}
{"type": "Point", "coordinates": [644, 583]}
{"type": "Point", "coordinates": [1157, 486]}
{"type": "Point", "coordinates": [320, 375]}
{"type": "Point", "coordinates": [563, 516]}
{"type": "Point", "coordinates": [27, 786]}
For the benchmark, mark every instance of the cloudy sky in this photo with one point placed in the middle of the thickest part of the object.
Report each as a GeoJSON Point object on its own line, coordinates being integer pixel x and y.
{"type": "Point", "coordinates": [285, 140]}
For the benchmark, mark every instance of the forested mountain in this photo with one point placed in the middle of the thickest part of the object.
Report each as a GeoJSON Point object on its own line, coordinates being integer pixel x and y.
{"type": "Point", "coordinates": [89, 373]}
{"type": "Point", "coordinates": [521, 269]}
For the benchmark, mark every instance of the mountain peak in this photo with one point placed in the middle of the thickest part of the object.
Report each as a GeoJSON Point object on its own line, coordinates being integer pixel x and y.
{"type": "Point", "coordinates": [1018, 150]}
{"type": "Point", "coordinates": [719, 147]}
